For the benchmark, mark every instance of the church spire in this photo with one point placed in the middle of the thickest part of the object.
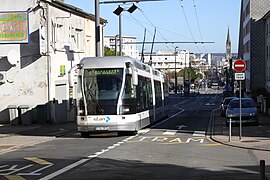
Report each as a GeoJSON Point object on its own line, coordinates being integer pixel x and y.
{"type": "Point", "coordinates": [228, 46]}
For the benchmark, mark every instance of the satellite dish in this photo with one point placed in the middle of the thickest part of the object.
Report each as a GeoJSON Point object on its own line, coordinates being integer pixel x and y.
{"type": "Point", "coordinates": [13, 57]}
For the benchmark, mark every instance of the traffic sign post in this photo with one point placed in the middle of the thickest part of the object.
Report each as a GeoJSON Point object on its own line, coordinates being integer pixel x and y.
{"type": "Point", "coordinates": [239, 66]}
{"type": "Point", "coordinates": [239, 76]}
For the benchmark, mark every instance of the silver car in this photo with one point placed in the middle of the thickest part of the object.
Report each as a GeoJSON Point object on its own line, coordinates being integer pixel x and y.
{"type": "Point", "coordinates": [249, 111]}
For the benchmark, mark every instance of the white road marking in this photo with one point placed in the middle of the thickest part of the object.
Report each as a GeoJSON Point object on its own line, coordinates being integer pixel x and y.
{"type": "Point", "coordinates": [170, 132]}
{"type": "Point", "coordinates": [180, 127]}
{"type": "Point", "coordinates": [71, 166]}
{"type": "Point", "coordinates": [199, 133]}
{"type": "Point", "coordinates": [181, 110]}
{"type": "Point", "coordinates": [65, 169]}
{"type": "Point", "coordinates": [143, 131]}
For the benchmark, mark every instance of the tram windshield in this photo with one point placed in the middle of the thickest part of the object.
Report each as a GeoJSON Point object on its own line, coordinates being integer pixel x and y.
{"type": "Point", "coordinates": [101, 90]}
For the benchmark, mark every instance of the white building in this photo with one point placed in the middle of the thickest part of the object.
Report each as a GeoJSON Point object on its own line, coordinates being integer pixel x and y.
{"type": "Point", "coordinates": [169, 60]}
{"type": "Point", "coordinates": [129, 47]}
{"type": "Point", "coordinates": [52, 37]}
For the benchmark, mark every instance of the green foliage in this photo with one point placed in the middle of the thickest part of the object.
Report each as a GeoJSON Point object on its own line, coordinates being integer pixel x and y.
{"type": "Point", "coordinates": [190, 72]}
{"type": "Point", "coordinates": [110, 52]}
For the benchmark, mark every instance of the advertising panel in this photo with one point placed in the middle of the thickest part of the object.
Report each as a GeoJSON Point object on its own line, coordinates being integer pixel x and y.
{"type": "Point", "coordinates": [14, 27]}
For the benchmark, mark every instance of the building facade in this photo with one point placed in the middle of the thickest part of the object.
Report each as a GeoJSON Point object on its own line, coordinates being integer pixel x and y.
{"type": "Point", "coordinates": [169, 60]}
{"type": "Point", "coordinates": [267, 53]}
{"type": "Point", "coordinates": [252, 42]}
{"type": "Point", "coordinates": [35, 73]}
{"type": "Point", "coordinates": [129, 47]}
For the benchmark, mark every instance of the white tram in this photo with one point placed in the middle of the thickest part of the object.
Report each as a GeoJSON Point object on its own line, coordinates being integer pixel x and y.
{"type": "Point", "coordinates": [120, 94]}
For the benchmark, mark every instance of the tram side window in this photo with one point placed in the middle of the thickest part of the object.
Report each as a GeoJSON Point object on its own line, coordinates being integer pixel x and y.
{"type": "Point", "coordinates": [144, 94]}
{"type": "Point", "coordinates": [139, 99]}
{"type": "Point", "coordinates": [129, 89]}
{"type": "Point", "coordinates": [149, 94]}
{"type": "Point", "coordinates": [166, 92]}
{"type": "Point", "coordinates": [158, 95]}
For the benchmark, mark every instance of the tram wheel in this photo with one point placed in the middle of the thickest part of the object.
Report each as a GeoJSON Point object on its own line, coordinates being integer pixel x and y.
{"type": "Point", "coordinates": [85, 134]}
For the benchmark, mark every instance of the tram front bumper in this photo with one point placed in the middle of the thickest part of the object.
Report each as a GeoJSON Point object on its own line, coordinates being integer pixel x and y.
{"type": "Point", "coordinates": [85, 125]}
{"type": "Point", "coordinates": [109, 128]}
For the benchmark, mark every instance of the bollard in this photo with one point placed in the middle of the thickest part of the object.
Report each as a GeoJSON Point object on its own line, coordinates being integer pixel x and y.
{"type": "Point", "coordinates": [230, 129]}
{"type": "Point", "coordinates": [262, 169]}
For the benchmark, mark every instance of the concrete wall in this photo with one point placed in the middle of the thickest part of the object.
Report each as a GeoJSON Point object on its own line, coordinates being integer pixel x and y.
{"type": "Point", "coordinates": [41, 81]}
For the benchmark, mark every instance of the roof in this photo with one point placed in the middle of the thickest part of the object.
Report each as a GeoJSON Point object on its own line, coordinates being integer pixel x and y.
{"type": "Point", "coordinates": [115, 62]}
{"type": "Point", "coordinates": [70, 8]}
{"type": "Point", "coordinates": [266, 16]}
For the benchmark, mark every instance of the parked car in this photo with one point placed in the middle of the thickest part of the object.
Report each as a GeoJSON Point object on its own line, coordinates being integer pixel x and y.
{"type": "Point", "coordinates": [249, 111]}
{"type": "Point", "coordinates": [224, 104]}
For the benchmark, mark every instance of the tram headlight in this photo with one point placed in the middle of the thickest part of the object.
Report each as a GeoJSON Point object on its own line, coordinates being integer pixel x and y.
{"type": "Point", "coordinates": [125, 109]}
{"type": "Point", "coordinates": [81, 112]}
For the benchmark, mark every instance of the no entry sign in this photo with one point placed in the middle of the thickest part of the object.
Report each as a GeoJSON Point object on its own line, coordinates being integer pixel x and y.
{"type": "Point", "coordinates": [239, 65]}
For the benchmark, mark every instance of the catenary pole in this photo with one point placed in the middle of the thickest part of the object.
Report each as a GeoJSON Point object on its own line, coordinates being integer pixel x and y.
{"type": "Point", "coordinates": [97, 30]}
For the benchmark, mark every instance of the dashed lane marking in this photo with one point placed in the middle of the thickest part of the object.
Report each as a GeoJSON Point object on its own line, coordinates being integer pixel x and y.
{"type": "Point", "coordinates": [170, 132]}
{"type": "Point", "coordinates": [88, 158]}
{"type": "Point", "coordinates": [199, 133]}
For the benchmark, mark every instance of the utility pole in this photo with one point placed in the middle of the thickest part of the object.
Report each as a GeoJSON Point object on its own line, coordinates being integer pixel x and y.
{"type": "Point", "coordinates": [97, 30]}
{"type": "Point", "coordinates": [97, 21]}
{"type": "Point", "coordinates": [175, 74]}
{"type": "Point", "coordinates": [120, 35]}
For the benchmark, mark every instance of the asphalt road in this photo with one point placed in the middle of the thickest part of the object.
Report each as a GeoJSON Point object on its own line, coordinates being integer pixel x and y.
{"type": "Point", "coordinates": [175, 148]}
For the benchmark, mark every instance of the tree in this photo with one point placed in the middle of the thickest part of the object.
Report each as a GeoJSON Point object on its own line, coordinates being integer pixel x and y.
{"type": "Point", "coordinates": [190, 72]}
{"type": "Point", "coordinates": [110, 52]}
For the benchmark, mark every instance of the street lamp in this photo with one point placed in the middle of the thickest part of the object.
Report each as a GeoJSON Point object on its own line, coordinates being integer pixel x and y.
{"type": "Point", "coordinates": [175, 82]}
{"type": "Point", "coordinates": [118, 12]}
{"type": "Point", "coordinates": [97, 18]}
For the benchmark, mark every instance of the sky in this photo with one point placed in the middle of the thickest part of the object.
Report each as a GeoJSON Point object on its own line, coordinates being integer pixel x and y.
{"type": "Point", "coordinates": [175, 21]}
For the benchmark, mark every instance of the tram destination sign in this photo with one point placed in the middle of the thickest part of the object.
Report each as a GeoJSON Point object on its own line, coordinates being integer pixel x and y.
{"type": "Point", "coordinates": [14, 27]}
{"type": "Point", "coordinates": [104, 72]}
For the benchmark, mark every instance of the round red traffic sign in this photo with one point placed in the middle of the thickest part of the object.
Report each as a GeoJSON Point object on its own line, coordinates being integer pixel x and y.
{"type": "Point", "coordinates": [239, 65]}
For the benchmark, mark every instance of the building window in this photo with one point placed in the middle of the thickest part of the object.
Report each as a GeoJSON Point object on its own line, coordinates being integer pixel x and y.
{"type": "Point", "coordinates": [79, 38]}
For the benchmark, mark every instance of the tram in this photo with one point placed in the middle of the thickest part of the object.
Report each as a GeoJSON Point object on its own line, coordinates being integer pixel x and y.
{"type": "Point", "coordinates": [119, 94]}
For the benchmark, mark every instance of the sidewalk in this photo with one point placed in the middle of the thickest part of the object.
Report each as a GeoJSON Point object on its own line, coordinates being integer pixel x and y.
{"type": "Point", "coordinates": [254, 138]}
{"type": "Point", "coordinates": [13, 137]}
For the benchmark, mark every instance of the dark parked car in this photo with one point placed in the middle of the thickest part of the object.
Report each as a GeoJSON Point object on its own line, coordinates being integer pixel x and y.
{"type": "Point", "coordinates": [224, 104]}
{"type": "Point", "coordinates": [249, 111]}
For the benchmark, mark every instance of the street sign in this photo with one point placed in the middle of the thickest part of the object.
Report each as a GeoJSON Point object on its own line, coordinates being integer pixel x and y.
{"type": "Point", "coordinates": [239, 65]}
{"type": "Point", "coordinates": [239, 76]}
{"type": "Point", "coordinates": [42, 40]}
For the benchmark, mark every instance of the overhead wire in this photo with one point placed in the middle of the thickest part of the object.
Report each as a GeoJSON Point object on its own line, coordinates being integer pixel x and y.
{"type": "Point", "coordinates": [162, 28]}
{"type": "Point", "coordinates": [185, 16]}
{"type": "Point", "coordinates": [162, 36]}
{"type": "Point", "coordinates": [140, 24]}
{"type": "Point", "coordinates": [198, 24]}
{"type": "Point", "coordinates": [136, 21]}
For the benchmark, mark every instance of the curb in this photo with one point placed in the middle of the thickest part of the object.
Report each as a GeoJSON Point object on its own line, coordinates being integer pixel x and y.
{"type": "Point", "coordinates": [211, 136]}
